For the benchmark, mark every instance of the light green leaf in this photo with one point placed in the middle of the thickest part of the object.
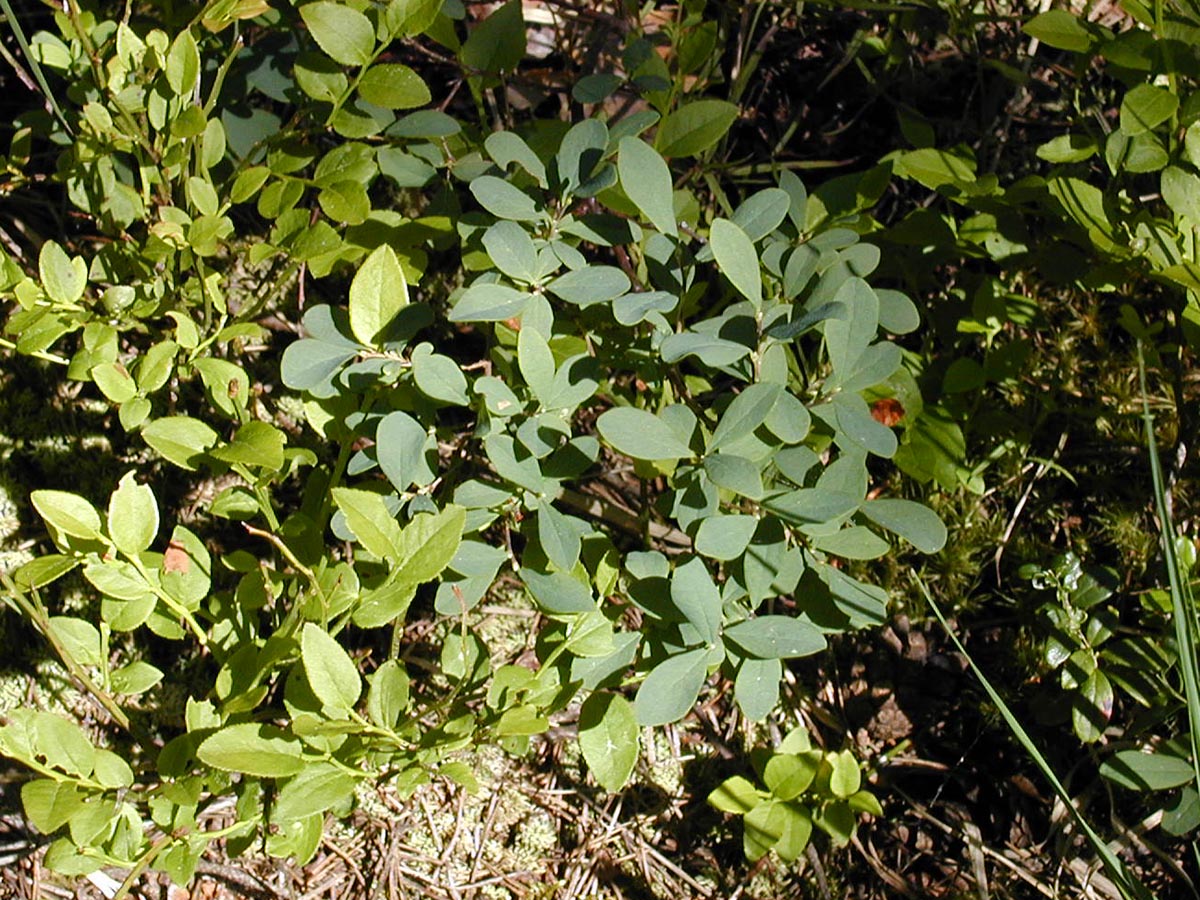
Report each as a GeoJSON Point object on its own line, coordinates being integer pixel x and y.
{"type": "Point", "coordinates": [855, 542]}
{"type": "Point", "coordinates": [387, 696]}
{"type": "Point", "coordinates": [80, 639]}
{"type": "Point", "coordinates": [1146, 107]}
{"type": "Point", "coordinates": [132, 516]}
{"type": "Point", "coordinates": [69, 513]}
{"type": "Point", "coordinates": [136, 677]}
{"type": "Point", "coordinates": [255, 444]}
{"type": "Point", "coordinates": [1181, 191]}
{"type": "Point", "coordinates": [736, 795]}
{"type": "Point", "coordinates": [428, 543]}
{"type": "Point", "coordinates": [314, 789]}
{"type": "Point", "coordinates": [369, 519]}
{"type": "Point", "coordinates": [331, 673]}
{"type": "Point", "coordinates": [671, 688]}
{"type": "Point", "coordinates": [341, 31]}
{"type": "Point", "coordinates": [788, 775]}
{"type": "Point", "coordinates": [63, 277]}
{"type": "Point", "coordinates": [64, 744]}
{"type": "Point", "coordinates": [180, 439]}
{"type": "Point", "coordinates": [846, 777]}
{"type": "Point", "coordinates": [393, 86]}
{"type": "Point", "coordinates": [49, 804]}
{"type": "Point", "coordinates": [646, 179]}
{"type": "Point", "coordinates": [262, 750]}
{"type": "Point", "coordinates": [640, 434]}
{"type": "Point", "coordinates": [183, 64]}
{"type": "Point", "coordinates": [737, 259]}
{"type": "Point", "coordinates": [114, 382]}
{"type": "Point", "coordinates": [608, 738]}
{"type": "Point", "coordinates": [917, 524]}
{"type": "Point", "coordinates": [694, 127]}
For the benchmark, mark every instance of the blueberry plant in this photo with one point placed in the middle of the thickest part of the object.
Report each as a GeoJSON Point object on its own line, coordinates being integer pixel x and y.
{"type": "Point", "coordinates": [492, 315]}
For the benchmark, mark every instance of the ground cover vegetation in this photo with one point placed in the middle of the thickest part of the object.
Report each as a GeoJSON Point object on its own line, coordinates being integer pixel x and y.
{"type": "Point", "coordinates": [762, 430]}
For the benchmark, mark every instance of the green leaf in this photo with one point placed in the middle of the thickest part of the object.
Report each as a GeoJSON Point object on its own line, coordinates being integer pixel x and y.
{"type": "Point", "coordinates": [341, 31]}
{"type": "Point", "coordinates": [559, 540]}
{"type": "Point", "coordinates": [797, 829]}
{"type": "Point", "coordinates": [1059, 29]}
{"type": "Point", "coordinates": [49, 804]}
{"type": "Point", "coordinates": [1146, 107]}
{"type": "Point", "coordinates": [776, 637]}
{"type": "Point", "coordinates": [846, 777]}
{"type": "Point", "coordinates": [697, 597]}
{"type": "Point", "coordinates": [646, 179]}
{"type": "Point", "coordinates": [400, 447]}
{"type": "Point", "coordinates": [558, 593]}
{"type": "Point", "coordinates": [497, 44]}
{"type": "Point", "coordinates": [488, 302]}
{"type": "Point", "coordinates": [136, 678]}
{"type": "Point", "coordinates": [671, 688]}
{"type": "Point", "coordinates": [735, 473]}
{"type": "Point", "coordinates": [439, 377]}
{"type": "Point", "coordinates": [762, 212]}
{"type": "Point", "coordinates": [316, 788]}
{"type": "Point", "coordinates": [737, 259]}
{"type": "Point", "coordinates": [393, 86]}
{"type": "Point", "coordinates": [745, 413]}
{"type": "Point", "coordinates": [725, 537]}
{"type": "Point", "coordinates": [512, 250]}
{"type": "Point", "coordinates": [183, 64]}
{"type": "Point", "coordinates": [69, 513]}
{"type": "Point", "coordinates": [387, 696]}
{"type": "Point", "coordinates": [736, 795]}
{"type": "Point", "coordinates": [369, 519]}
{"type": "Point", "coordinates": [44, 570]}
{"type": "Point", "coordinates": [63, 278]}
{"type": "Point", "coordinates": [855, 542]}
{"type": "Point", "coordinates": [694, 127]}
{"type": "Point", "coordinates": [594, 284]}
{"type": "Point", "coordinates": [536, 362]}
{"type": "Point", "coordinates": [936, 168]}
{"type": "Point", "coordinates": [640, 434]}
{"type": "Point", "coordinates": [262, 750]}
{"type": "Point", "coordinates": [428, 543]}
{"type": "Point", "coordinates": [114, 382]}
{"type": "Point", "coordinates": [1140, 771]}
{"type": "Point", "coordinates": [788, 775]}
{"type": "Point", "coordinates": [384, 604]}
{"type": "Point", "coordinates": [331, 673]}
{"type": "Point", "coordinates": [63, 744]}
{"type": "Point", "coordinates": [132, 516]}
{"type": "Point", "coordinates": [80, 639]}
{"type": "Point", "coordinates": [608, 738]}
{"type": "Point", "coordinates": [255, 444]}
{"type": "Point", "coordinates": [756, 687]}
{"type": "Point", "coordinates": [917, 524]}
{"type": "Point", "coordinates": [848, 334]}
{"type": "Point", "coordinates": [180, 439]}
{"type": "Point", "coordinates": [763, 827]}
{"type": "Point", "coordinates": [345, 202]}
{"type": "Point", "coordinates": [1181, 191]}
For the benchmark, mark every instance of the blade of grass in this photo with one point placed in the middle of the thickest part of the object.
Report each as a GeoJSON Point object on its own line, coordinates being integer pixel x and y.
{"type": "Point", "coordinates": [1183, 603]}
{"type": "Point", "coordinates": [34, 66]}
{"type": "Point", "coordinates": [1129, 885]}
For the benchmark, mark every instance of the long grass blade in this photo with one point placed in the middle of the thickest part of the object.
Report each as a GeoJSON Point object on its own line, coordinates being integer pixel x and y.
{"type": "Point", "coordinates": [1129, 885]}
{"type": "Point", "coordinates": [1183, 603]}
{"type": "Point", "coordinates": [34, 66]}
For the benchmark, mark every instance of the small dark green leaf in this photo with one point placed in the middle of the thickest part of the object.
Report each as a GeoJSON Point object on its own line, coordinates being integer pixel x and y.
{"type": "Point", "coordinates": [1140, 771]}
{"type": "Point", "coordinates": [1059, 29]}
{"type": "Point", "coordinates": [497, 44]}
